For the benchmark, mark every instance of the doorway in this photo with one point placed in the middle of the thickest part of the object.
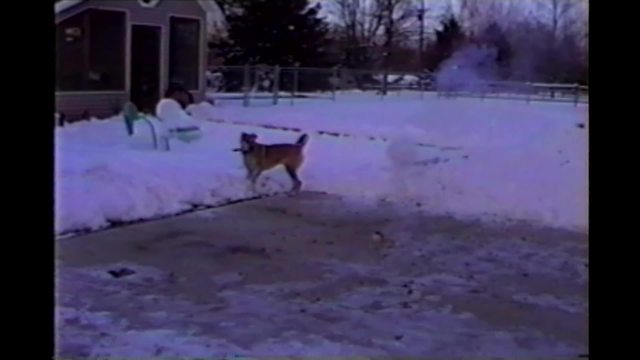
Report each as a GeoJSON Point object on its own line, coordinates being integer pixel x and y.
{"type": "Point", "coordinates": [145, 66]}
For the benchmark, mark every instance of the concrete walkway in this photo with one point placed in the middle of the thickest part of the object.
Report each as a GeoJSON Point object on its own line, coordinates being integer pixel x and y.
{"type": "Point", "coordinates": [322, 275]}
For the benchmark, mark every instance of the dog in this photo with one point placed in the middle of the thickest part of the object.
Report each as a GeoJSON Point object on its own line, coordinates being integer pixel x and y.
{"type": "Point", "coordinates": [258, 158]}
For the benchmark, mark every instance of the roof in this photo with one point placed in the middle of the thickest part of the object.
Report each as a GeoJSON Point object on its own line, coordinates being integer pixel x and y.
{"type": "Point", "coordinates": [216, 21]}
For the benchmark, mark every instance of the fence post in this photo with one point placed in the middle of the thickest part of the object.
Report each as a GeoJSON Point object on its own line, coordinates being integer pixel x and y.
{"type": "Point", "coordinates": [296, 68]}
{"type": "Point", "coordinates": [246, 84]}
{"type": "Point", "coordinates": [421, 85]}
{"type": "Point", "coordinates": [276, 84]}
{"type": "Point", "coordinates": [334, 80]}
{"type": "Point", "coordinates": [385, 80]}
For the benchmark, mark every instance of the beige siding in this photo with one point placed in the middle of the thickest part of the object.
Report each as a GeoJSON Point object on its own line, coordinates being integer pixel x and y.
{"type": "Point", "coordinates": [97, 104]}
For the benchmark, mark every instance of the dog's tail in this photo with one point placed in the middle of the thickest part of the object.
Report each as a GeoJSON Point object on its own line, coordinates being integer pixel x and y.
{"type": "Point", "coordinates": [302, 140]}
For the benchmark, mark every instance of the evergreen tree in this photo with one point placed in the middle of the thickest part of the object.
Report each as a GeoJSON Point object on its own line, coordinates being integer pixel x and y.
{"type": "Point", "coordinates": [448, 38]}
{"type": "Point", "coordinates": [495, 37]}
{"type": "Point", "coordinates": [275, 32]}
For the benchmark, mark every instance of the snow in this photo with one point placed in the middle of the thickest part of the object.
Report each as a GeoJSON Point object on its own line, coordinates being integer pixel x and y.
{"type": "Point", "coordinates": [216, 21]}
{"type": "Point", "coordinates": [488, 159]}
{"type": "Point", "coordinates": [170, 343]}
{"type": "Point", "coordinates": [528, 161]}
{"type": "Point", "coordinates": [173, 116]}
{"type": "Point", "coordinates": [398, 79]}
{"type": "Point", "coordinates": [132, 343]}
{"type": "Point", "coordinates": [104, 176]}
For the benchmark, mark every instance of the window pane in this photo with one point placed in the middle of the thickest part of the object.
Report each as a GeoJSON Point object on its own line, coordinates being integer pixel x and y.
{"type": "Point", "coordinates": [70, 53]}
{"type": "Point", "coordinates": [90, 51]}
{"type": "Point", "coordinates": [106, 50]}
{"type": "Point", "coordinates": [184, 52]}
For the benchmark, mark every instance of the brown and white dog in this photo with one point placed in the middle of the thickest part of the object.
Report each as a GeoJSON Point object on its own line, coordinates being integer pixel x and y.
{"type": "Point", "coordinates": [261, 157]}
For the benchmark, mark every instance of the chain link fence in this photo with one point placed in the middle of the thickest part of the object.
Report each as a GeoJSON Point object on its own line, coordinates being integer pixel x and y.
{"type": "Point", "coordinates": [527, 91]}
{"type": "Point", "coordinates": [264, 85]}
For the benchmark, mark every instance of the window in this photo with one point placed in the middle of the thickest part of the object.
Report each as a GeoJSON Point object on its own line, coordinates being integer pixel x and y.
{"type": "Point", "coordinates": [184, 52]}
{"type": "Point", "coordinates": [90, 51]}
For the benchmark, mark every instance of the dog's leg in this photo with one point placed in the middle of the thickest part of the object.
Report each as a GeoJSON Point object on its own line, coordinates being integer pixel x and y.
{"type": "Point", "coordinates": [254, 178]}
{"type": "Point", "coordinates": [248, 178]}
{"type": "Point", "coordinates": [291, 170]}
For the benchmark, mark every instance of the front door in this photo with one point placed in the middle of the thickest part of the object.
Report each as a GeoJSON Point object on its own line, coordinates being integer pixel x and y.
{"type": "Point", "coordinates": [145, 66]}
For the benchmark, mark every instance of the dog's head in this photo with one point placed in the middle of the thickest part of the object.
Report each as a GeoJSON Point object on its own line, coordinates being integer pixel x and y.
{"type": "Point", "coordinates": [247, 141]}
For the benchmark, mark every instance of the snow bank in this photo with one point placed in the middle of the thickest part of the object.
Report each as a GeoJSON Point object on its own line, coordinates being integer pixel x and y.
{"type": "Point", "coordinates": [103, 176]}
{"type": "Point", "coordinates": [509, 159]}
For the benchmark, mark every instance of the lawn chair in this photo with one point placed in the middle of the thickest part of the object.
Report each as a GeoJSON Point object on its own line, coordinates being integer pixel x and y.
{"type": "Point", "coordinates": [168, 109]}
{"type": "Point", "coordinates": [131, 115]}
{"type": "Point", "coordinates": [186, 134]}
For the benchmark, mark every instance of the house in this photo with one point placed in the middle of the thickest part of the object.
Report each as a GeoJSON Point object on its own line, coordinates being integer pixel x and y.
{"type": "Point", "coordinates": [109, 52]}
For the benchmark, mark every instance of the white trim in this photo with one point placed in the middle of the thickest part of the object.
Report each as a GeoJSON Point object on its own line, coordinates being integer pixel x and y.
{"type": "Point", "coordinates": [160, 54]}
{"type": "Point", "coordinates": [202, 49]}
{"type": "Point", "coordinates": [127, 45]}
{"type": "Point", "coordinates": [64, 5]}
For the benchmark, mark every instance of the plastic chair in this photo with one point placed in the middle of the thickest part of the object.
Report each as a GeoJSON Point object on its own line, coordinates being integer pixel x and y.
{"type": "Point", "coordinates": [131, 115]}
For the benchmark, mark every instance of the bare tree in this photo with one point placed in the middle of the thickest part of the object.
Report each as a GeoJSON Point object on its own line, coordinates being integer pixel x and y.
{"type": "Point", "coordinates": [399, 16]}
{"type": "Point", "coordinates": [563, 53]}
{"type": "Point", "coordinates": [549, 43]}
{"type": "Point", "coordinates": [422, 12]}
{"type": "Point", "coordinates": [560, 13]}
{"type": "Point", "coordinates": [359, 25]}
{"type": "Point", "coordinates": [548, 38]}
{"type": "Point", "coordinates": [377, 25]}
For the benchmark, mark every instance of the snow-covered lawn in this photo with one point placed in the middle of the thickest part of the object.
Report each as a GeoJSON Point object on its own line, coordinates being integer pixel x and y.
{"type": "Point", "coordinates": [488, 158]}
